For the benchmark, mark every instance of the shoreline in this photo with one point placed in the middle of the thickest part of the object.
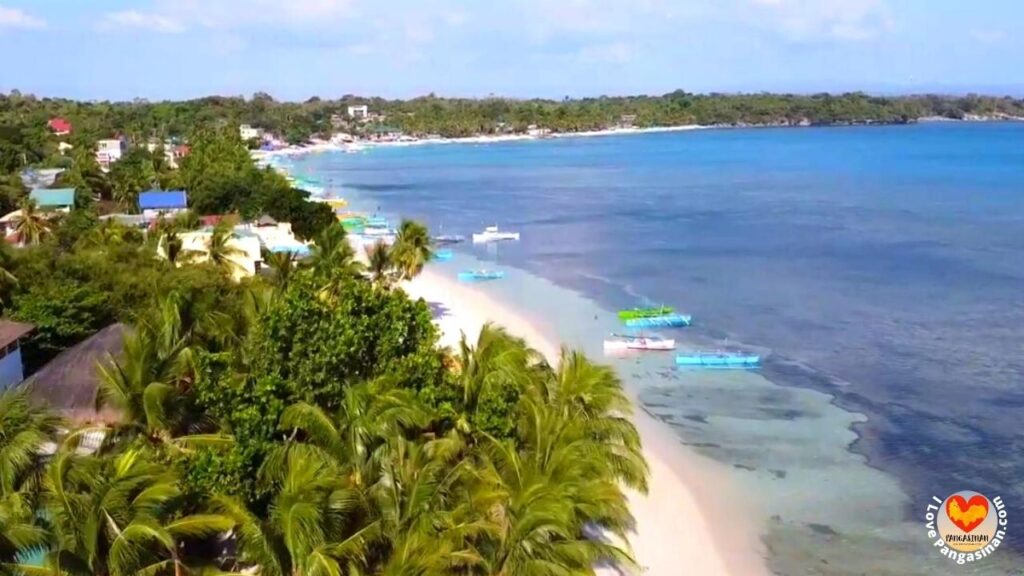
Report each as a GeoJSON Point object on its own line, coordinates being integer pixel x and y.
{"type": "Point", "coordinates": [690, 516]}
{"type": "Point", "coordinates": [321, 146]}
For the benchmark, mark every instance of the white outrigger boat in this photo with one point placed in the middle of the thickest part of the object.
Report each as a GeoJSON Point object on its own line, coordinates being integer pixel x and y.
{"type": "Point", "coordinates": [492, 234]}
{"type": "Point", "coordinates": [624, 342]}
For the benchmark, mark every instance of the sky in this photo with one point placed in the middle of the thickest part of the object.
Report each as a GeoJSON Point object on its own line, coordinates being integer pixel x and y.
{"type": "Point", "coordinates": [295, 49]}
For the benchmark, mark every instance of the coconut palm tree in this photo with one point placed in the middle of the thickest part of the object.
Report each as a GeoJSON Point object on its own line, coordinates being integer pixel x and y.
{"type": "Point", "coordinates": [413, 248]}
{"type": "Point", "coordinates": [148, 384]}
{"type": "Point", "coordinates": [219, 248]}
{"type": "Point", "coordinates": [32, 226]}
{"type": "Point", "coordinates": [381, 265]}
{"type": "Point", "coordinates": [282, 265]}
{"type": "Point", "coordinates": [120, 515]}
{"type": "Point", "coordinates": [491, 376]}
{"type": "Point", "coordinates": [171, 244]}
{"type": "Point", "coordinates": [24, 429]}
{"type": "Point", "coordinates": [370, 415]}
{"type": "Point", "coordinates": [308, 529]}
{"type": "Point", "coordinates": [8, 281]}
{"type": "Point", "coordinates": [331, 253]}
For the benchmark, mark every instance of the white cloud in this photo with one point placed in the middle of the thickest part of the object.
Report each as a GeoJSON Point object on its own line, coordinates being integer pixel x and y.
{"type": "Point", "coordinates": [15, 18]}
{"type": "Point", "coordinates": [815, 20]}
{"type": "Point", "coordinates": [988, 36]}
{"type": "Point", "coordinates": [142, 21]}
{"type": "Point", "coordinates": [236, 14]}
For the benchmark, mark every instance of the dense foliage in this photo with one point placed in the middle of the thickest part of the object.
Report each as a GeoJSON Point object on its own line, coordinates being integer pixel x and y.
{"type": "Point", "coordinates": [24, 138]}
{"type": "Point", "coordinates": [297, 424]}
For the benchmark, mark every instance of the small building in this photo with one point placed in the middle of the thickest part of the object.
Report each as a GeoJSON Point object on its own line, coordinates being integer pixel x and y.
{"type": "Point", "coordinates": [59, 126]}
{"type": "Point", "coordinates": [54, 199]}
{"type": "Point", "coordinates": [154, 203]}
{"type": "Point", "coordinates": [627, 120]}
{"type": "Point", "coordinates": [11, 369]}
{"type": "Point", "coordinates": [247, 132]}
{"type": "Point", "coordinates": [246, 261]}
{"type": "Point", "coordinates": [358, 111]}
{"type": "Point", "coordinates": [109, 151]}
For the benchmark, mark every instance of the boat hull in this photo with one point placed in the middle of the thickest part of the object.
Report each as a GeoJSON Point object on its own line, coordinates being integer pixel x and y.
{"type": "Point", "coordinates": [444, 255]}
{"type": "Point", "coordinates": [645, 312]}
{"type": "Point", "coordinates": [667, 320]}
{"type": "Point", "coordinates": [660, 344]}
{"type": "Point", "coordinates": [718, 360]}
{"type": "Point", "coordinates": [499, 237]}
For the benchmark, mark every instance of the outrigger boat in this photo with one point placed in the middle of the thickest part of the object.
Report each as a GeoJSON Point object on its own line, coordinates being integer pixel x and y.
{"type": "Point", "coordinates": [663, 321]}
{"type": "Point", "coordinates": [492, 234]}
{"type": "Point", "coordinates": [443, 255]}
{"type": "Point", "coordinates": [718, 360]}
{"type": "Point", "coordinates": [478, 275]}
{"type": "Point", "coordinates": [645, 312]}
{"type": "Point", "coordinates": [623, 342]}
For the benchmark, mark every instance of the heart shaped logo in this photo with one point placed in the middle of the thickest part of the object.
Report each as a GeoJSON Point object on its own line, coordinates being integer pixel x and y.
{"type": "Point", "coordinates": [967, 514]}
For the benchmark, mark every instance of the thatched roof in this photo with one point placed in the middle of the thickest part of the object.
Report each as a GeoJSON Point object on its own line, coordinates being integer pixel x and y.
{"type": "Point", "coordinates": [12, 331]}
{"type": "Point", "coordinates": [68, 383]}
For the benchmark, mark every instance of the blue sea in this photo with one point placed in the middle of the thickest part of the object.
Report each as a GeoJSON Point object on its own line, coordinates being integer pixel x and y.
{"type": "Point", "coordinates": [879, 270]}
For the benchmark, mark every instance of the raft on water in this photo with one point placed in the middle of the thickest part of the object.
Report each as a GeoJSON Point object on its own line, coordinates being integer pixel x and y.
{"type": "Point", "coordinates": [645, 312]}
{"type": "Point", "coordinates": [663, 321]}
{"type": "Point", "coordinates": [718, 360]}
{"type": "Point", "coordinates": [477, 275]}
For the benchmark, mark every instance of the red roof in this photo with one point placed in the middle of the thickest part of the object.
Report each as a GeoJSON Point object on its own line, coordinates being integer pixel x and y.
{"type": "Point", "coordinates": [59, 125]}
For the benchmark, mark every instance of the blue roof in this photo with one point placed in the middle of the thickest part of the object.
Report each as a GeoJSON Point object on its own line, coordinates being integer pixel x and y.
{"type": "Point", "coordinates": [56, 197]}
{"type": "Point", "coordinates": [163, 200]}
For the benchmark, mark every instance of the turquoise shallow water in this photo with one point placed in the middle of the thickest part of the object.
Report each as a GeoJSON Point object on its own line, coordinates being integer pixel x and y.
{"type": "Point", "coordinates": [879, 270]}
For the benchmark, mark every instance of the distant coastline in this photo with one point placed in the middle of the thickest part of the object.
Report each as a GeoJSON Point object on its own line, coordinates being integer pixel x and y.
{"type": "Point", "coordinates": [319, 146]}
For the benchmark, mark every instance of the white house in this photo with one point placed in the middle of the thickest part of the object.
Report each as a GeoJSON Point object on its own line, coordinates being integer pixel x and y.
{"type": "Point", "coordinates": [109, 151]}
{"type": "Point", "coordinates": [11, 334]}
{"type": "Point", "coordinates": [247, 132]}
{"type": "Point", "coordinates": [358, 111]}
{"type": "Point", "coordinates": [246, 260]}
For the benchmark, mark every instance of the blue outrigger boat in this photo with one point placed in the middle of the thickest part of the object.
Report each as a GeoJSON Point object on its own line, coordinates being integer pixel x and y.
{"type": "Point", "coordinates": [478, 275]}
{"type": "Point", "coordinates": [662, 321]}
{"type": "Point", "coordinates": [444, 255]}
{"type": "Point", "coordinates": [718, 360]}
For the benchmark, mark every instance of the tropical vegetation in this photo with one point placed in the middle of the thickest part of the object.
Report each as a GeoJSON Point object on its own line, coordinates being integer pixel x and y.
{"type": "Point", "coordinates": [301, 422]}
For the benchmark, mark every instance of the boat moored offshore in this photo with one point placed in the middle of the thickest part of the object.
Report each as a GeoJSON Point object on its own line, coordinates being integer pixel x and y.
{"type": "Point", "coordinates": [624, 342]}
{"type": "Point", "coordinates": [443, 255]}
{"type": "Point", "coordinates": [645, 312]}
{"type": "Point", "coordinates": [492, 234]}
{"type": "Point", "coordinates": [663, 321]}
{"type": "Point", "coordinates": [718, 360]}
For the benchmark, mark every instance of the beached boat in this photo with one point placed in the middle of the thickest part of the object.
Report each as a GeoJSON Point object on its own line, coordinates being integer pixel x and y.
{"type": "Point", "coordinates": [718, 360]}
{"type": "Point", "coordinates": [444, 239]}
{"type": "Point", "coordinates": [624, 342]}
{"type": "Point", "coordinates": [476, 275]}
{"type": "Point", "coordinates": [645, 312]}
{"type": "Point", "coordinates": [663, 321]}
{"type": "Point", "coordinates": [492, 234]}
{"type": "Point", "coordinates": [444, 255]}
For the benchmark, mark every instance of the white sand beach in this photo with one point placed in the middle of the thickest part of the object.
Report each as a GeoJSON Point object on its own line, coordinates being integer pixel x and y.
{"type": "Point", "coordinates": [689, 522]}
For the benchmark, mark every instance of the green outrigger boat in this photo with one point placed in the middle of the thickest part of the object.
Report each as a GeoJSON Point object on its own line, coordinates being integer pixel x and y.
{"type": "Point", "coordinates": [634, 313]}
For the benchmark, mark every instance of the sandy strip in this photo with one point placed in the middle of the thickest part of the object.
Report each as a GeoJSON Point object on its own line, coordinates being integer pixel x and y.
{"type": "Point", "coordinates": [687, 523]}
